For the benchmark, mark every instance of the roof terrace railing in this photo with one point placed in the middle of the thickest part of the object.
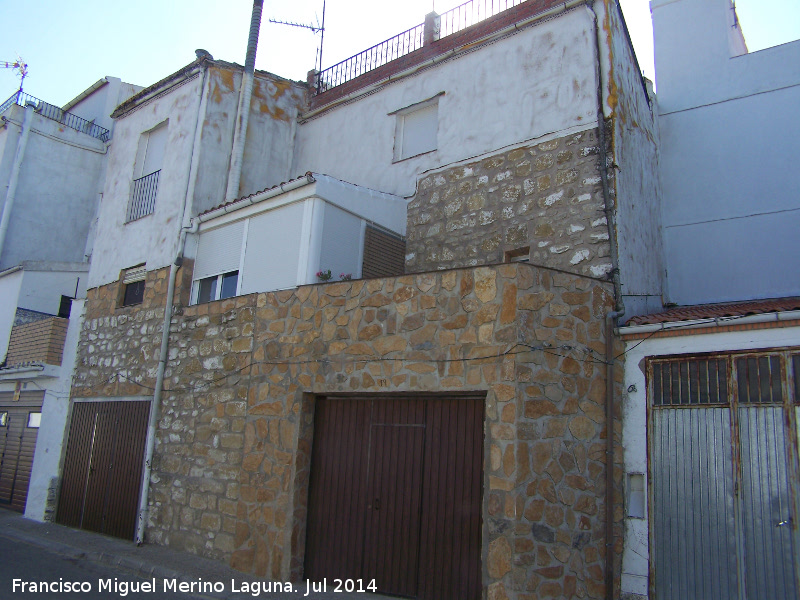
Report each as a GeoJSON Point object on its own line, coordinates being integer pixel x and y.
{"type": "Point", "coordinates": [57, 114]}
{"type": "Point", "coordinates": [469, 13]}
{"type": "Point", "coordinates": [371, 58]}
{"type": "Point", "coordinates": [453, 21]}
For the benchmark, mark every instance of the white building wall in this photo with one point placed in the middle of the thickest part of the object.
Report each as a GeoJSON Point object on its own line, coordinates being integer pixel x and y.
{"type": "Point", "coordinates": [547, 85]}
{"type": "Point", "coordinates": [732, 208]}
{"type": "Point", "coordinates": [634, 429]}
{"type": "Point", "coordinates": [99, 105]}
{"type": "Point", "coordinates": [10, 285]}
{"type": "Point", "coordinates": [153, 238]}
{"type": "Point", "coordinates": [268, 145]}
{"type": "Point", "coordinates": [340, 248]}
{"type": "Point", "coordinates": [41, 290]}
{"type": "Point", "coordinates": [53, 432]}
{"type": "Point", "coordinates": [729, 137]}
{"type": "Point", "coordinates": [635, 171]}
{"type": "Point", "coordinates": [57, 191]}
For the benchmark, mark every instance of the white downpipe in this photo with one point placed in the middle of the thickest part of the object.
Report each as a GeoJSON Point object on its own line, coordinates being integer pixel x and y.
{"type": "Point", "coordinates": [152, 424]}
{"type": "Point", "coordinates": [12, 184]}
{"type": "Point", "coordinates": [243, 110]}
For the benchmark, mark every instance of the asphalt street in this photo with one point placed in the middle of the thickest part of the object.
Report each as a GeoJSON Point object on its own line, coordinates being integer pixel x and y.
{"type": "Point", "coordinates": [28, 564]}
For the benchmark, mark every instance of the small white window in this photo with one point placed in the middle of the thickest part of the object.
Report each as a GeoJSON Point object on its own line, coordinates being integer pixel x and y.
{"type": "Point", "coordinates": [133, 283]}
{"type": "Point", "coordinates": [3, 419]}
{"type": "Point", "coordinates": [34, 419]}
{"type": "Point", "coordinates": [217, 287]}
{"type": "Point", "coordinates": [218, 262]}
{"type": "Point", "coordinates": [416, 129]}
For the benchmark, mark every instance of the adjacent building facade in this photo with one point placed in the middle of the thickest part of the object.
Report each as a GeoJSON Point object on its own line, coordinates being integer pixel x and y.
{"type": "Point", "coordinates": [711, 401]}
{"type": "Point", "coordinates": [52, 165]}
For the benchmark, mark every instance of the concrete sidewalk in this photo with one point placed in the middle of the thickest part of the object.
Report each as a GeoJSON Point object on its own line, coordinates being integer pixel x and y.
{"type": "Point", "coordinates": [148, 561]}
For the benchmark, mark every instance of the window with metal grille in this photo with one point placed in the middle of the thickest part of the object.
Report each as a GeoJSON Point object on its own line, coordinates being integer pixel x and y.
{"type": "Point", "coordinates": [759, 379]}
{"type": "Point", "coordinates": [690, 382]}
{"type": "Point", "coordinates": [149, 157]}
{"type": "Point", "coordinates": [796, 373]}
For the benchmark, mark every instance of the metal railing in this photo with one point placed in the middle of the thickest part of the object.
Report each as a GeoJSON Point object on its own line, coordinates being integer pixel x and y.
{"type": "Point", "coordinates": [469, 13]}
{"type": "Point", "coordinates": [454, 20]}
{"type": "Point", "coordinates": [53, 112]}
{"type": "Point", "coordinates": [371, 58]}
{"type": "Point", "coordinates": [143, 197]}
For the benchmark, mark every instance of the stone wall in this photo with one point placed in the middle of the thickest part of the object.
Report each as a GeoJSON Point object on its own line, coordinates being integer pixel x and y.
{"type": "Point", "coordinates": [547, 197]}
{"type": "Point", "coordinates": [119, 345]}
{"type": "Point", "coordinates": [230, 473]}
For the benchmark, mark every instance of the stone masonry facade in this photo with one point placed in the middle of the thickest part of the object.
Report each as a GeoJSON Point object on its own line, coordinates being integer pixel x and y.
{"type": "Point", "coordinates": [119, 345]}
{"type": "Point", "coordinates": [546, 197]}
{"type": "Point", "coordinates": [231, 468]}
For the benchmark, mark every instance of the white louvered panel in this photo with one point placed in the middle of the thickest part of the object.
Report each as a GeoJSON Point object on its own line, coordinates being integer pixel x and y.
{"type": "Point", "coordinates": [134, 274]}
{"type": "Point", "coordinates": [219, 250]}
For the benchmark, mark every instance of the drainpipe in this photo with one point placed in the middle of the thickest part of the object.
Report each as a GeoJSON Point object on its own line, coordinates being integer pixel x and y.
{"type": "Point", "coordinates": [611, 316]}
{"type": "Point", "coordinates": [173, 272]}
{"type": "Point", "coordinates": [243, 111]}
{"type": "Point", "coordinates": [12, 184]}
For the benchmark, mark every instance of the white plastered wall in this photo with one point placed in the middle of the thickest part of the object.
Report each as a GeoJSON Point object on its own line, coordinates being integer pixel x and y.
{"type": "Point", "coordinates": [546, 87]}
{"type": "Point", "coordinates": [10, 285]}
{"type": "Point", "coordinates": [729, 135]}
{"type": "Point", "coordinates": [153, 238]}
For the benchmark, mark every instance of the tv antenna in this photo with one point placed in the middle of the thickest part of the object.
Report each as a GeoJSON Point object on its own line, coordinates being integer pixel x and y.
{"type": "Point", "coordinates": [318, 28]}
{"type": "Point", "coordinates": [20, 66]}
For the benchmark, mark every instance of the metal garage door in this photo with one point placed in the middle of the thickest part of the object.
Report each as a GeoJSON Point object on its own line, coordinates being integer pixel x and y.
{"type": "Point", "coordinates": [103, 467]}
{"type": "Point", "coordinates": [19, 428]}
{"type": "Point", "coordinates": [723, 459]}
{"type": "Point", "coordinates": [395, 494]}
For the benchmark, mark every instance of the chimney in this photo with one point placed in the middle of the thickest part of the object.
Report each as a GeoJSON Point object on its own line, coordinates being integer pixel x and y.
{"type": "Point", "coordinates": [433, 23]}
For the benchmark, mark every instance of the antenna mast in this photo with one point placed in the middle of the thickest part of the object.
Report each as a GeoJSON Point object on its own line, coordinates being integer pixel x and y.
{"type": "Point", "coordinates": [21, 67]}
{"type": "Point", "coordinates": [314, 28]}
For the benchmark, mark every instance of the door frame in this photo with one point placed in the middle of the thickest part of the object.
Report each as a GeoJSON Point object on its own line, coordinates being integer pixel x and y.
{"type": "Point", "coordinates": [790, 387]}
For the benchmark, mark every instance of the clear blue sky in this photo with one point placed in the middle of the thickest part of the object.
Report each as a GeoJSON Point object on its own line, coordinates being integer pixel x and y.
{"type": "Point", "coordinates": [70, 45]}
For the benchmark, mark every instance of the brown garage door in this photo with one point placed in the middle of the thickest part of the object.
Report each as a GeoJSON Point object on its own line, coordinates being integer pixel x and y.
{"type": "Point", "coordinates": [103, 467]}
{"type": "Point", "coordinates": [19, 428]}
{"type": "Point", "coordinates": [395, 494]}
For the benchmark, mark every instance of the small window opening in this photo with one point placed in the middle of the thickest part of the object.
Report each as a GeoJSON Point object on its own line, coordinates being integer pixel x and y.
{"type": "Point", "coordinates": [65, 307]}
{"type": "Point", "coordinates": [636, 497]}
{"type": "Point", "coordinates": [217, 287]}
{"type": "Point", "coordinates": [34, 420]}
{"type": "Point", "coordinates": [133, 282]}
{"type": "Point", "coordinates": [416, 129]}
{"type": "Point", "coordinates": [517, 255]}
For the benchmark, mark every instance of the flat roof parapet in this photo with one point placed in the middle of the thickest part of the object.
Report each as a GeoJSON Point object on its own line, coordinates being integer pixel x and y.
{"type": "Point", "coordinates": [443, 34]}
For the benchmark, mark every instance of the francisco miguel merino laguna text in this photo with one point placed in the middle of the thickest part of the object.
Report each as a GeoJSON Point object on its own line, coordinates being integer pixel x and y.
{"type": "Point", "coordinates": [123, 588]}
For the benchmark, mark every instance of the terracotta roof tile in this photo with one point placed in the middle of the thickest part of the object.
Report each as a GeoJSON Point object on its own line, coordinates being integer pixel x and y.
{"type": "Point", "coordinates": [710, 311]}
{"type": "Point", "coordinates": [307, 175]}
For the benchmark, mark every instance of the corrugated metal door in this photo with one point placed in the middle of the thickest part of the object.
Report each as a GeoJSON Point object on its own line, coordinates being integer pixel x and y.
{"type": "Point", "coordinates": [19, 428]}
{"type": "Point", "coordinates": [103, 467]}
{"type": "Point", "coordinates": [723, 459]}
{"type": "Point", "coordinates": [395, 494]}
